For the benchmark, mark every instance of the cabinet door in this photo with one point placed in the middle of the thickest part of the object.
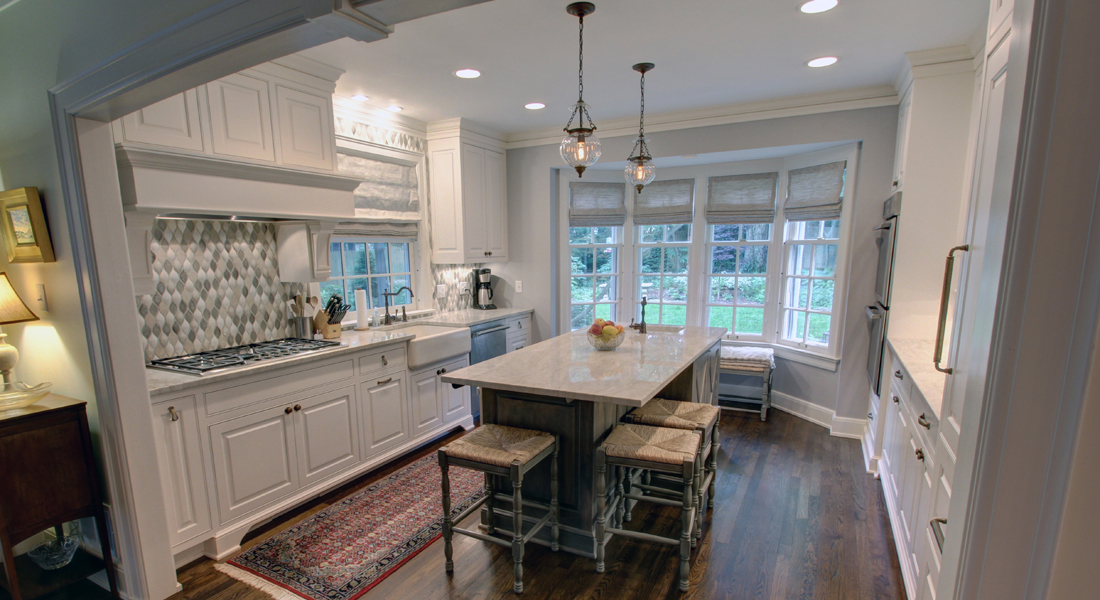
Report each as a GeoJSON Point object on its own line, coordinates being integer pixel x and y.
{"type": "Point", "coordinates": [182, 470]}
{"type": "Point", "coordinates": [446, 205]}
{"type": "Point", "coordinates": [909, 489]}
{"type": "Point", "coordinates": [240, 117]}
{"type": "Point", "coordinates": [474, 205]}
{"type": "Point", "coordinates": [172, 122]}
{"type": "Point", "coordinates": [495, 207]}
{"type": "Point", "coordinates": [999, 12]}
{"type": "Point", "coordinates": [255, 462]}
{"type": "Point", "coordinates": [327, 438]}
{"type": "Point", "coordinates": [902, 141]}
{"type": "Point", "coordinates": [305, 129]}
{"type": "Point", "coordinates": [424, 403]}
{"type": "Point", "coordinates": [383, 417]}
{"type": "Point", "coordinates": [889, 464]}
{"type": "Point", "coordinates": [518, 342]}
{"type": "Point", "coordinates": [455, 402]}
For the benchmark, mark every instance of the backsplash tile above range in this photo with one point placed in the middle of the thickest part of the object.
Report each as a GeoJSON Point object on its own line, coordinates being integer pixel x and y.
{"type": "Point", "coordinates": [217, 285]}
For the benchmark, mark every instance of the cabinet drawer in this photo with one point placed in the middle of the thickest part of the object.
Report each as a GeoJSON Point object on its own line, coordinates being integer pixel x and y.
{"type": "Point", "coordinates": [265, 386]}
{"type": "Point", "coordinates": [377, 362]}
{"type": "Point", "coordinates": [925, 423]}
{"type": "Point", "coordinates": [900, 383]}
{"type": "Point", "coordinates": [519, 325]}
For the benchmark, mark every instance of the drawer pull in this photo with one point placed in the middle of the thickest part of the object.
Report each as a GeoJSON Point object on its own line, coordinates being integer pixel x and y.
{"type": "Point", "coordinates": [937, 530]}
{"type": "Point", "coordinates": [520, 324]}
{"type": "Point", "coordinates": [920, 454]}
{"type": "Point", "coordinates": [385, 363]}
{"type": "Point", "coordinates": [896, 400]}
{"type": "Point", "coordinates": [871, 416]}
{"type": "Point", "coordinates": [288, 410]}
{"type": "Point", "coordinates": [924, 422]}
{"type": "Point", "coordinates": [175, 415]}
{"type": "Point", "coordinates": [385, 381]}
{"type": "Point", "coordinates": [297, 407]}
{"type": "Point", "coordinates": [898, 375]}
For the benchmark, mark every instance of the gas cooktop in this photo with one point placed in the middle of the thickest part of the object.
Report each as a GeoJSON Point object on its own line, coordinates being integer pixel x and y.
{"type": "Point", "coordinates": [206, 362]}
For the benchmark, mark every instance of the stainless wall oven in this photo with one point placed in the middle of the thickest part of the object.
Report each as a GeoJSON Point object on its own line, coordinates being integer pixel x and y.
{"type": "Point", "coordinates": [878, 314]}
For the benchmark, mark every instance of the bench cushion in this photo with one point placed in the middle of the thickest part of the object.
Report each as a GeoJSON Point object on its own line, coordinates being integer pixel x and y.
{"type": "Point", "coordinates": [653, 444]}
{"type": "Point", "coordinates": [747, 358]}
{"type": "Point", "coordinates": [500, 445]}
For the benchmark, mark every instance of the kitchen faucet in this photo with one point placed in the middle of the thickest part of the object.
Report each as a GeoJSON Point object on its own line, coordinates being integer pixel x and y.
{"type": "Point", "coordinates": [387, 295]}
{"type": "Point", "coordinates": [640, 326]}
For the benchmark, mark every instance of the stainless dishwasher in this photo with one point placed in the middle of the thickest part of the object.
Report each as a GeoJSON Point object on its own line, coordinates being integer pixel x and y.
{"type": "Point", "coordinates": [488, 340]}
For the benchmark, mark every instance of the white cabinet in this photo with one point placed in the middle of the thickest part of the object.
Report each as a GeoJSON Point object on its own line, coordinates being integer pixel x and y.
{"type": "Point", "coordinates": [454, 402]}
{"type": "Point", "coordinates": [519, 332]}
{"type": "Point", "coordinates": [182, 469]}
{"type": "Point", "coordinates": [240, 117]}
{"type": "Point", "coordinates": [172, 122]}
{"type": "Point", "coordinates": [902, 143]}
{"type": "Point", "coordinates": [305, 129]}
{"type": "Point", "coordinates": [326, 435]}
{"type": "Point", "coordinates": [469, 198]}
{"type": "Point", "coordinates": [383, 413]}
{"type": "Point", "coordinates": [424, 402]}
{"type": "Point", "coordinates": [1000, 13]}
{"type": "Point", "coordinates": [304, 250]}
{"type": "Point", "coordinates": [254, 460]}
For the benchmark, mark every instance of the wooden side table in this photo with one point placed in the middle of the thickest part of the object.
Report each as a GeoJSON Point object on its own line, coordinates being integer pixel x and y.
{"type": "Point", "coordinates": [48, 477]}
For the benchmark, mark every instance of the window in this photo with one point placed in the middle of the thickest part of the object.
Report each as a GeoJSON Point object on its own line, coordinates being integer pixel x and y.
{"type": "Point", "coordinates": [809, 282]}
{"type": "Point", "coordinates": [662, 272]}
{"type": "Point", "coordinates": [737, 277]}
{"type": "Point", "coordinates": [375, 266]}
{"type": "Point", "coordinates": [594, 274]}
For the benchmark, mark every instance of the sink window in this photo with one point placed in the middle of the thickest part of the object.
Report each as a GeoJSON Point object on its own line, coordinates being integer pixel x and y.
{"type": "Point", "coordinates": [369, 264]}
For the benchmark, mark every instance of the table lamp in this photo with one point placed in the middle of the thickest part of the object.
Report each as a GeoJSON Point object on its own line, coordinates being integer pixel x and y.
{"type": "Point", "coordinates": [12, 310]}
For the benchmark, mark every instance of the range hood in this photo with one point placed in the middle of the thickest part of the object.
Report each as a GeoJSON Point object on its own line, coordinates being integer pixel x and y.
{"type": "Point", "coordinates": [158, 182]}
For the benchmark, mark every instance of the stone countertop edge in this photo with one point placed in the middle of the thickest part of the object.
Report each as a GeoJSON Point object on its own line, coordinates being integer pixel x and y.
{"type": "Point", "coordinates": [562, 352]}
{"type": "Point", "coordinates": [470, 316]}
{"type": "Point", "coordinates": [916, 356]}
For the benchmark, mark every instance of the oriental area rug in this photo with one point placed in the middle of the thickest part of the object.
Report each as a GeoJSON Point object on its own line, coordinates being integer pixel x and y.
{"type": "Point", "coordinates": [346, 549]}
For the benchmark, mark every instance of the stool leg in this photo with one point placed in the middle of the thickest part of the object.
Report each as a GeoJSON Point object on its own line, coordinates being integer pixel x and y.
{"type": "Point", "coordinates": [713, 464]}
{"type": "Point", "coordinates": [686, 521]}
{"type": "Point", "coordinates": [601, 507]}
{"type": "Point", "coordinates": [517, 526]}
{"type": "Point", "coordinates": [620, 503]}
{"type": "Point", "coordinates": [698, 484]}
{"type": "Point", "coordinates": [628, 473]}
{"type": "Point", "coordinates": [554, 506]}
{"type": "Point", "coordinates": [490, 528]}
{"type": "Point", "coordinates": [448, 552]}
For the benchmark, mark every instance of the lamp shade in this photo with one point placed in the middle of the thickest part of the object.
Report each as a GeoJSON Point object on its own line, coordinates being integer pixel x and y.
{"type": "Point", "coordinates": [12, 308]}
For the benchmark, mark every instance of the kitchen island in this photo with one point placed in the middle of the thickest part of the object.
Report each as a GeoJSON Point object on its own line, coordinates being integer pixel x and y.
{"type": "Point", "coordinates": [566, 387]}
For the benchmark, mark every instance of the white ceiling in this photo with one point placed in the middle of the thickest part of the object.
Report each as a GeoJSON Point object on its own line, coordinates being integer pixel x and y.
{"type": "Point", "coordinates": [707, 53]}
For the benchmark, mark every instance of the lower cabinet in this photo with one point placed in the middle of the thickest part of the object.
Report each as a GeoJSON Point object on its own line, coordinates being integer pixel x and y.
{"type": "Point", "coordinates": [182, 468]}
{"type": "Point", "coordinates": [326, 435]}
{"type": "Point", "coordinates": [254, 460]}
{"type": "Point", "coordinates": [455, 403]}
{"type": "Point", "coordinates": [383, 414]}
{"type": "Point", "coordinates": [434, 403]}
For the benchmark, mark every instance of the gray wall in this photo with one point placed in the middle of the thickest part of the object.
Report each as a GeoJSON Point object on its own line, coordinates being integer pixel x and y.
{"type": "Point", "coordinates": [532, 210]}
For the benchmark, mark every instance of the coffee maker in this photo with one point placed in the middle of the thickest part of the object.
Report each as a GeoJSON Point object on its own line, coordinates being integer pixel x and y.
{"type": "Point", "coordinates": [483, 289]}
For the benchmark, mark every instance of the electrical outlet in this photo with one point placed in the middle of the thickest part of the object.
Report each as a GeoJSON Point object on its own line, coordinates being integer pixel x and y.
{"type": "Point", "coordinates": [464, 287]}
{"type": "Point", "coordinates": [40, 291]}
{"type": "Point", "coordinates": [519, 287]}
{"type": "Point", "coordinates": [440, 291]}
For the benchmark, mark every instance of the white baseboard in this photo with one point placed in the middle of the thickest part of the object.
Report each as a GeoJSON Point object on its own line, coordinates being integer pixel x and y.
{"type": "Point", "coordinates": [819, 415]}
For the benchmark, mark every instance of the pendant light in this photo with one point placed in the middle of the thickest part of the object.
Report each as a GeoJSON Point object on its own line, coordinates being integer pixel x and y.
{"type": "Point", "coordinates": [580, 148]}
{"type": "Point", "coordinates": [640, 170]}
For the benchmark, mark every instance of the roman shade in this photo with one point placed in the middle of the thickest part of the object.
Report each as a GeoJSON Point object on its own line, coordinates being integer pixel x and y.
{"type": "Point", "coordinates": [379, 229]}
{"type": "Point", "coordinates": [815, 193]}
{"type": "Point", "coordinates": [668, 202]}
{"type": "Point", "coordinates": [746, 198]}
{"type": "Point", "coordinates": [596, 204]}
{"type": "Point", "coordinates": [385, 186]}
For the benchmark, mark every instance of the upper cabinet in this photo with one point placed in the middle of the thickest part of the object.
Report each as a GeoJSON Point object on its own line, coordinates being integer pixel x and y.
{"type": "Point", "coordinates": [240, 117]}
{"type": "Point", "coordinates": [469, 205]}
{"type": "Point", "coordinates": [173, 123]}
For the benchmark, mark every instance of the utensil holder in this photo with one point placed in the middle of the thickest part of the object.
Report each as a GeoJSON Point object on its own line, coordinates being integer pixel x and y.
{"type": "Point", "coordinates": [328, 331]}
{"type": "Point", "coordinates": [302, 327]}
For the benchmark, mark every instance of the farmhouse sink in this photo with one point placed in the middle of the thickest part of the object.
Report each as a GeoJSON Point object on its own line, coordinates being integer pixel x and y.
{"type": "Point", "coordinates": [434, 344]}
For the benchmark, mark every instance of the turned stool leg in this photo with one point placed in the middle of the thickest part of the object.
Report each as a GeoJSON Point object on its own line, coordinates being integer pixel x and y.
{"type": "Point", "coordinates": [687, 520]}
{"type": "Point", "coordinates": [554, 506]}
{"type": "Point", "coordinates": [448, 551]}
{"type": "Point", "coordinates": [490, 527]}
{"type": "Point", "coordinates": [628, 474]}
{"type": "Point", "coordinates": [620, 502]}
{"type": "Point", "coordinates": [713, 464]}
{"type": "Point", "coordinates": [517, 526]}
{"type": "Point", "coordinates": [698, 485]}
{"type": "Point", "coordinates": [601, 507]}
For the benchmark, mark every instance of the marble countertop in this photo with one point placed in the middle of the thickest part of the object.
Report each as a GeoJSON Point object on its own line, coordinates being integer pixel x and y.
{"type": "Point", "coordinates": [916, 356]}
{"type": "Point", "coordinates": [471, 316]}
{"type": "Point", "coordinates": [569, 367]}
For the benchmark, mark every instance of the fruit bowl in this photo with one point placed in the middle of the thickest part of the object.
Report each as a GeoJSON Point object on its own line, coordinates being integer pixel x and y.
{"type": "Point", "coordinates": [600, 342]}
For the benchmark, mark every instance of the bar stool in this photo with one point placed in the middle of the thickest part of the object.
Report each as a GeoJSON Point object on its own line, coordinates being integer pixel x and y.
{"type": "Point", "coordinates": [656, 449]}
{"type": "Point", "coordinates": [505, 452]}
{"type": "Point", "coordinates": [702, 418]}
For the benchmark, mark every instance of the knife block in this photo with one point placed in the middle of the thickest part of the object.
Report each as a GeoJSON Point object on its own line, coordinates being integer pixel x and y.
{"type": "Point", "coordinates": [321, 324]}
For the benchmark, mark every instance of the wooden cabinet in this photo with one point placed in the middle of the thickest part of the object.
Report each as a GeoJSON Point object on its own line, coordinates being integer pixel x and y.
{"type": "Point", "coordinates": [255, 462]}
{"type": "Point", "coordinates": [240, 117]}
{"type": "Point", "coordinates": [173, 122]}
{"type": "Point", "coordinates": [383, 413]}
{"type": "Point", "coordinates": [326, 435]}
{"type": "Point", "coordinates": [469, 198]}
{"type": "Point", "coordinates": [182, 468]}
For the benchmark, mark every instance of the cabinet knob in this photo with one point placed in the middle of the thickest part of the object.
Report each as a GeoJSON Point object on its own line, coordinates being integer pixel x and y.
{"type": "Point", "coordinates": [898, 374]}
{"type": "Point", "coordinates": [175, 415]}
{"type": "Point", "coordinates": [385, 363]}
{"type": "Point", "coordinates": [895, 183]}
{"type": "Point", "coordinates": [288, 410]}
{"type": "Point", "coordinates": [297, 407]}
{"type": "Point", "coordinates": [896, 400]}
{"type": "Point", "coordinates": [485, 253]}
{"type": "Point", "coordinates": [489, 253]}
{"type": "Point", "coordinates": [443, 370]}
{"type": "Point", "coordinates": [924, 422]}
{"type": "Point", "coordinates": [920, 454]}
{"type": "Point", "coordinates": [871, 416]}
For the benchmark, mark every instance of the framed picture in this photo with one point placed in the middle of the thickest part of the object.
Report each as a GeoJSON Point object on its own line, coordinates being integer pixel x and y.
{"type": "Point", "coordinates": [25, 233]}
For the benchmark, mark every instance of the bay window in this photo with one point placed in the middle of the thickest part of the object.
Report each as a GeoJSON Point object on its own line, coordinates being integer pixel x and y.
{"type": "Point", "coordinates": [737, 278]}
{"type": "Point", "coordinates": [663, 253]}
{"type": "Point", "coordinates": [594, 274]}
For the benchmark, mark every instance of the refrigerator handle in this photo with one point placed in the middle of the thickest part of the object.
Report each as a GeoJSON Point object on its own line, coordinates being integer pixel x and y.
{"type": "Point", "coordinates": [873, 313]}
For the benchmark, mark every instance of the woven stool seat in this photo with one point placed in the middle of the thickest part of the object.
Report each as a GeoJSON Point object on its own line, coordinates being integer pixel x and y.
{"type": "Point", "coordinates": [660, 412]}
{"type": "Point", "coordinates": [654, 444]}
{"type": "Point", "coordinates": [500, 445]}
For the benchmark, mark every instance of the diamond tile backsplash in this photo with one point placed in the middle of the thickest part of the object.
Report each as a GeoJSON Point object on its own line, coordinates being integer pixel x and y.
{"type": "Point", "coordinates": [450, 276]}
{"type": "Point", "coordinates": [217, 285]}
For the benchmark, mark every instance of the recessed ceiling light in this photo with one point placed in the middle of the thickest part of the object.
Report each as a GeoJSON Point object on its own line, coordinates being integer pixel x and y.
{"type": "Point", "coordinates": [534, 106]}
{"type": "Point", "coordinates": [468, 73]}
{"type": "Point", "coordinates": [817, 6]}
{"type": "Point", "coordinates": [360, 98]}
{"type": "Point", "coordinates": [393, 108]}
{"type": "Point", "coordinates": [824, 61]}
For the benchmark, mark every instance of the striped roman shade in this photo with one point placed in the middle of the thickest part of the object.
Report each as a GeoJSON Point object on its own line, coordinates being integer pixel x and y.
{"type": "Point", "coordinates": [668, 202]}
{"type": "Point", "coordinates": [746, 198]}
{"type": "Point", "coordinates": [596, 204]}
{"type": "Point", "coordinates": [815, 193]}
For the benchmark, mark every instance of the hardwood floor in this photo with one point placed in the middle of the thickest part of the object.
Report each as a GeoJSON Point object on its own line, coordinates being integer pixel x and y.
{"type": "Point", "coordinates": [796, 516]}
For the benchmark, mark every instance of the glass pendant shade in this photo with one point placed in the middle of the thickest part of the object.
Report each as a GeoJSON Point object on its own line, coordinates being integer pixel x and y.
{"type": "Point", "coordinates": [580, 149]}
{"type": "Point", "coordinates": [640, 172]}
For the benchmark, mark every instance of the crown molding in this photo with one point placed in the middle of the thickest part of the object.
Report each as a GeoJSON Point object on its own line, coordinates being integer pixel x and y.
{"type": "Point", "coordinates": [310, 67]}
{"type": "Point", "coordinates": [869, 97]}
{"type": "Point", "coordinates": [931, 63]}
{"type": "Point", "coordinates": [379, 117]}
{"type": "Point", "coordinates": [467, 129]}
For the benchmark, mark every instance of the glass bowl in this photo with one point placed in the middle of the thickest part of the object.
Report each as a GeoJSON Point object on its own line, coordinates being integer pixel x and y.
{"type": "Point", "coordinates": [55, 553]}
{"type": "Point", "coordinates": [21, 395]}
{"type": "Point", "coordinates": [601, 343]}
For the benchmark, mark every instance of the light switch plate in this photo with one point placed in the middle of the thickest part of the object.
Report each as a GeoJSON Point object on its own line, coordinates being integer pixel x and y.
{"type": "Point", "coordinates": [40, 291]}
{"type": "Point", "coordinates": [519, 287]}
{"type": "Point", "coordinates": [440, 291]}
